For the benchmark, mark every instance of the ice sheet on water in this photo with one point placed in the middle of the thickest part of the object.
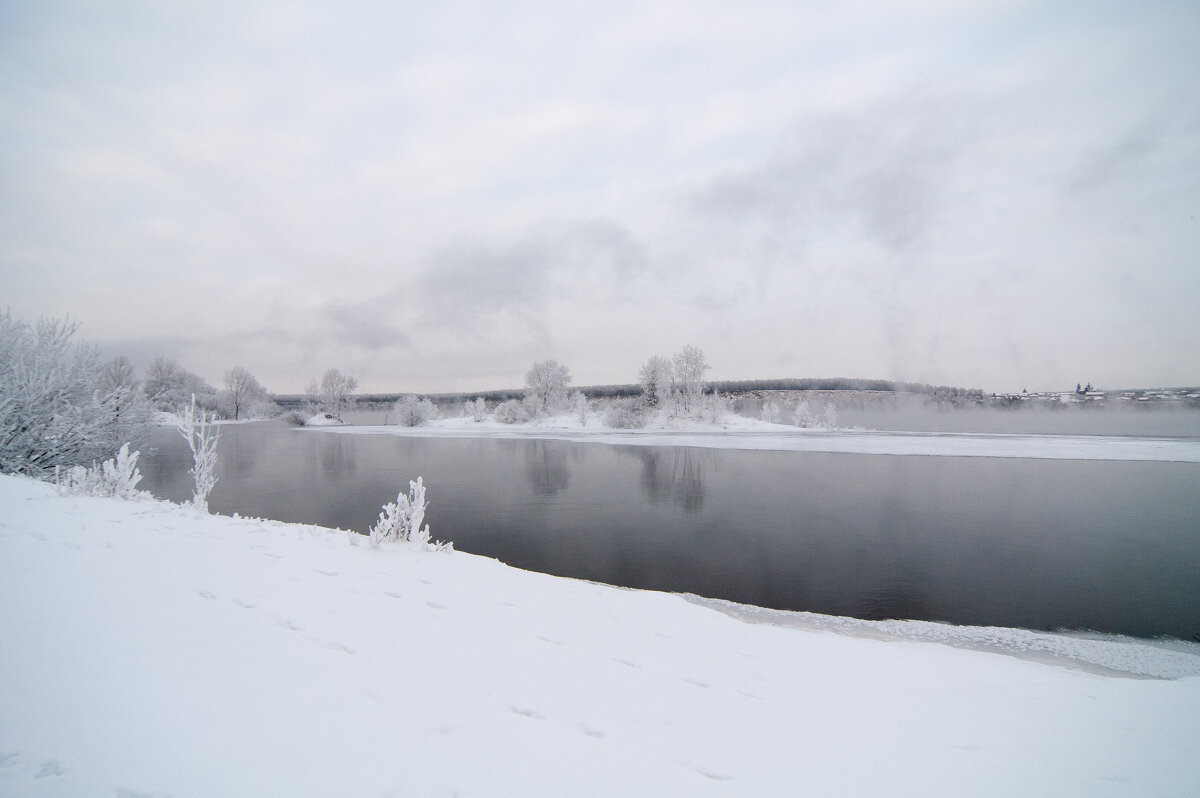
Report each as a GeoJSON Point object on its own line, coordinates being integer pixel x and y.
{"type": "Point", "coordinates": [1116, 655]}
{"type": "Point", "coordinates": [749, 434]}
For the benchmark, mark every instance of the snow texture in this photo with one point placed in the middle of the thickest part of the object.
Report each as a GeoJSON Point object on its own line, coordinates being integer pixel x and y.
{"type": "Point", "coordinates": [153, 651]}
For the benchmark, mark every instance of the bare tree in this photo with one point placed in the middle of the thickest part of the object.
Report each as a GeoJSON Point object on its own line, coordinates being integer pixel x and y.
{"type": "Point", "coordinates": [656, 380]}
{"type": "Point", "coordinates": [241, 388]}
{"type": "Point", "coordinates": [547, 382]}
{"type": "Point", "coordinates": [689, 370]}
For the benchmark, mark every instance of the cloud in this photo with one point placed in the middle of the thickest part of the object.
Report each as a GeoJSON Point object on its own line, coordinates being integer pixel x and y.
{"type": "Point", "coordinates": [882, 170]}
{"type": "Point", "coordinates": [474, 286]}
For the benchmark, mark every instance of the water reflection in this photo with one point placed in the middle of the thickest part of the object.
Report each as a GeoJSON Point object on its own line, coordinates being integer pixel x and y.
{"type": "Point", "coordinates": [547, 467]}
{"type": "Point", "coordinates": [675, 475]}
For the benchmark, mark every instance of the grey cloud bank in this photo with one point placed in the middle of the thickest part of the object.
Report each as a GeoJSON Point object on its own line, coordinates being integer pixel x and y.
{"type": "Point", "coordinates": [997, 195]}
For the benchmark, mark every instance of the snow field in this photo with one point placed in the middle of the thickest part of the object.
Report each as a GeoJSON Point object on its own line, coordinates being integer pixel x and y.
{"type": "Point", "coordinates": [151, 651]}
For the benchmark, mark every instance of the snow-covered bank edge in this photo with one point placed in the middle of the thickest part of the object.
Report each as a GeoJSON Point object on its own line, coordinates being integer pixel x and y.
{"type": "Point", "coordinates": [748, 434]}
{"type": "Point", "coordinates": [1113, 655]}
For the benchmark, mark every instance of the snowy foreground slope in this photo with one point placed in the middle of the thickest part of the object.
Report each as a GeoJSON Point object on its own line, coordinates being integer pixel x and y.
{"type": "Point", "coordinates": [151, 652]}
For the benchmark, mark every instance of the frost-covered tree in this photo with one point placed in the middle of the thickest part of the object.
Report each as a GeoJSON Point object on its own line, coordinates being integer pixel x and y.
{"type": "Point", "coordinates": [333, 393]}
{"type": "Point", "coordinates": [547, 382]}
{"type": "Point", "coordinates": [242, 390]}
{"type": "Point", "coordinates": [656, 380]}
{"type": "Point", "coordinates": [56, 407]}
{"type": "Point", "coordinates": [831, 415]}
{"type": "Point", "coordinates": [689, 367]}
{"type": "Point", "coordinates": [170, 387]}
{"type": "Point", "coordinates": [411, 411]}
{"type": "Point", "coordinates": [201, 435]}
{"type": "Point", "coordinates": [770, 412]}
{"type": "Point", "coordinates": [581, 406]}
{"type": "Point", "coordinates": [478, 409]}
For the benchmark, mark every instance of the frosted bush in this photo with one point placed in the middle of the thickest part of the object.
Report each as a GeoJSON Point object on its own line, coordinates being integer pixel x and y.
{"type": "Point", "coordinates": [770, 413]}
{"type": "Point", "coordinates": [400, 521]}
{"type": "Point", "coordinates": [831, 415]}
{"type": "Point", "coordinates": [478, 409]}
{"type": "Point", "coordinates": [116, 477]}
{"type": "Point", "coordinates": [409, 411]}
{"type": "Point", "coordinates": [511, 412]}
{"type": "Point", "coordinates": [624, 414]}
{"type": "Point", "coordinates": [804, 415]}
{"type": "Point", "coordinates": [714, 408]}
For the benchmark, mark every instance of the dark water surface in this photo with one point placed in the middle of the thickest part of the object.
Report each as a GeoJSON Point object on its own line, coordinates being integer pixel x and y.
{"type": "Point", "coordinates": [1039, 544]}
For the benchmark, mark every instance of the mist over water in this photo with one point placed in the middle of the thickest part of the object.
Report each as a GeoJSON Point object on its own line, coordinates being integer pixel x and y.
{"type": "Point", "coordinates": [1040, 544]}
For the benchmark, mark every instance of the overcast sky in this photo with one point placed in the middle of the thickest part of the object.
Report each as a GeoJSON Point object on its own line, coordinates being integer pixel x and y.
{"type": "Point", "coordinates": [431, 196]}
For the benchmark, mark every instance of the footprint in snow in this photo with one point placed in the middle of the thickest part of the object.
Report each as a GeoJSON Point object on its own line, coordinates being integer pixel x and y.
{"type": "Point", "coordinates": [526, 712]}
{"type": "Point", "coordinates": [712, 774]}
{"type": "Point", "coordinates": [245, 604]}
{"type": "Point", "coordinates": [325, 573]}
{"type": "Point", "coordinates": [393, 595]}
{"type": "Point", "coordinates": [626, 662]}
{"type": "Point", "coordinates": [435, 605]}
{"type": "Point", "coordinates": [49, 768]}
{"type": "Point", "coordinates": [551, 640]}
{"type": "Point", "coordinates": [286, 624]}
{"type": "Point", "coordinates": [345, 649]}
{"type": "Point", "coordinates": [204, 594]}
{"type": "Point", "coordinates": [8, 758]}
{"type": "Point", "coordinates": [695, 682]}
{"type": "Point", "coordinates": [590, 731]}
{"type": "Point", "coordinates": [750, 695]}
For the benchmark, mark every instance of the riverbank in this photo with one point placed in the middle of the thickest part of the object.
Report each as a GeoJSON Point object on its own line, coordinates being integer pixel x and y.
{"type": "Point", "coordinates": [153, 652]}
{"type": "Point", "coordinates": [736, 432]}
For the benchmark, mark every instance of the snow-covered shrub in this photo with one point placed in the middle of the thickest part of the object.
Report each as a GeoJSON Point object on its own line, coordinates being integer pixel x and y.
{"type": "Point", "coordinates": [411, 411]}
{"type": "Point", "coordinates": [804, 415]}
{"type": "Point", "coordinates": [714, 408]}
{"type": "Point", "coordinates": [770, 413]}
{"type": "Point", "coordinates": [400, 521]}
{"type": "Point", "coordinates": [831, 415]}
{"type": "Point", "coordinates": [581, 406]}
{"type": "Point", "coordinates": [116, 477]}
{"type": "Point", "coordinates": [478, 409]}
{"type": "Point", "coordinates": [624, 414]}
{"type": "Point", "coordinates": [202, 436]}
{"type": "Point", "coordinates": [511, 412]}
{"type": "Point", "coordinates": [58, 408]}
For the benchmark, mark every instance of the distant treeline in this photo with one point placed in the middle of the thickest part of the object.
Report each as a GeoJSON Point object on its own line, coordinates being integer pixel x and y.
{"type": "Point", "coordinates": [717, 386]}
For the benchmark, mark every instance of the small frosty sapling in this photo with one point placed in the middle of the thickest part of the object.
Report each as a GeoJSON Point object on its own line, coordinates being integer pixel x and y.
{"type": "Point", "coordinates": [400, 521]}
{"type": "Point", "coordinates": [202, 436]}
{"type": "Point", "coordinates": [117, 477]}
